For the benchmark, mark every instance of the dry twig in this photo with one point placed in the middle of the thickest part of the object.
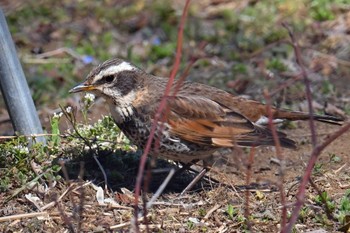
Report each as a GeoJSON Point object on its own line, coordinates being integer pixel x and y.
{"type": "Point", "coordinates": [280, 157]}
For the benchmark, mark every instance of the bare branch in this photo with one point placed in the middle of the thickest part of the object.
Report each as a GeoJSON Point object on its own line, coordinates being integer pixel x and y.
{"type": "Point", "coordinates": [302, 188]}
{"type": "Point", "coordinates": [160, 109]}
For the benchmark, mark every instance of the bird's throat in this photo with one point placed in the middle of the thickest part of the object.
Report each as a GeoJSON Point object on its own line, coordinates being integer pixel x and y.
{"type": "Point", "coordinates": [121, 107]}
{"type": "Point", "coordinates": [121, 114]}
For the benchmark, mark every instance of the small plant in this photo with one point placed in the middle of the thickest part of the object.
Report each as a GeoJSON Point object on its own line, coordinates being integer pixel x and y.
{"type": "Point", "coordinates": [324, 199]}
{"type": "Point", "coordinates": [318, 169]}
{"type": "Point", "coordinates": [88, 101]}
{"type": "Point", "coordinates": [240, 68]}
{"type": "Point", "coordinates": [277, 65]}
{"type": "Point", "coordinates": [344, 207]}
{"type": "Point", "coordinates": [325, 218]}
{"type": "Point", "coordinates": [190, 225]}
{"type": "Point", "coordinates": [305, 213]}
{"type": "Point", "coordinates": [21, 165]}
{"type": "Point", "coordinates": [321, 10]}
{"type": "Point", "coordinates": [55, 130]}
{"type": "Point", "coordinates": [202, 212]}
{"type": "Point", "coordinates": [162, 50]}
{"type": "Point", "coordinates": [327, 87]}
{"type": "Point", "coordinates": [231, 211]}
{"type": "Point", "coordinates": [334, 158]}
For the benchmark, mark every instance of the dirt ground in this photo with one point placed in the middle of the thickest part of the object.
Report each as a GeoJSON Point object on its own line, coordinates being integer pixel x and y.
{"type": "Point", "coordinates": [247, 51]}
{"type": "Point", "coordinates": [206, 208]}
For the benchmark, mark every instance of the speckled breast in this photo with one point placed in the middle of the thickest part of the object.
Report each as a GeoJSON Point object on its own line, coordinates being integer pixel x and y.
{"type": "Point", "coordinates": [169, 147]}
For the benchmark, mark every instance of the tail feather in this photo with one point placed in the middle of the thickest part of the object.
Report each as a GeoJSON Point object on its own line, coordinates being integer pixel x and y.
{"type": "Point", "coordinates": [263, 137]}
{"type": "Point", "coordinates": [329, 119]}
{"type": "Point", "coordinates": [293, 116]}
{"type": "Point", "coordinates": [284, 142]}
{"type": "Point", "coordinates": [254, 111]}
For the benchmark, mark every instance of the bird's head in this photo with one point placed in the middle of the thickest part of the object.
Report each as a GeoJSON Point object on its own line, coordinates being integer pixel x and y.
{"type": "Point", "coordinates": [115, 80]}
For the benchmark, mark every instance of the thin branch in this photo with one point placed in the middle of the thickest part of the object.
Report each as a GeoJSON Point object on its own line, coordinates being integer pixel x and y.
{"type": "Point", "coordinates": [160, 109]}
{"type": "Point", "coordinates": [302, 188]}
{"type": "Point", "coordinates": [317, 149]}
{"type": "Point", "coordinates": [265, 48]}
{"type": "Point", "coordinates": [299, 61]}
{"type": "Point", "coordinates": [72, 120]}
{"type": "Point", "coordinates": [28, 215]}
{"type": "Point", "coordinates": [33, 135]}
{"type": "Point", "coordinates": [280, 157]}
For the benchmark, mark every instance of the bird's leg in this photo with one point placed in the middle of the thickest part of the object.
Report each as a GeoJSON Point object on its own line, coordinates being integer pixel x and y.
{"type": "Point", "coordinates": [207, 163]}
{"type": "Point", "coordinates": [195, 180]}
{"type": "Point", "coordinates": [207, 178]}
{"type": "Point", "coordinates": [185, 166]}
{"type": "Point", "coordinates": [200, 174]}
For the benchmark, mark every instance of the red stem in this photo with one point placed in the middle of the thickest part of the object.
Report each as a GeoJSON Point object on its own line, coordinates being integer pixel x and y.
{"type": "Point", "coordinates": [299, 61]}
{"type": "Point", "coordinates": [317, 149]}
{"type": "Point", "coordinates": [302, 188]}
{"type": "Point", "coordinates": [162, 106]}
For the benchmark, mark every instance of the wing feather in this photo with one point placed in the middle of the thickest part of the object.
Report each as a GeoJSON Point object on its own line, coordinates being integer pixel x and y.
{"type": "Point", "coordinates": [204, 121]}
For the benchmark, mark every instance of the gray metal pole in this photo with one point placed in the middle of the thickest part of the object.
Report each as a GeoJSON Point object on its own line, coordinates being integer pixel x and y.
{"type": "Point", "coordinates": [14, 87]}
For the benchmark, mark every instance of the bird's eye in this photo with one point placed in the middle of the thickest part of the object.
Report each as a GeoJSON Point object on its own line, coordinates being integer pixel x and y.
{"type": "Point", "coordinates": [109, 78]}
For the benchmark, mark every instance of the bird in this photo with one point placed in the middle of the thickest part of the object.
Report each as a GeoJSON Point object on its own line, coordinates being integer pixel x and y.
{"type": "Point", "coordinates": [198, 119]}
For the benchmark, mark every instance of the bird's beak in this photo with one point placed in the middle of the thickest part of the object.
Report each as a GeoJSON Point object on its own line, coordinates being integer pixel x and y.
{"type": "Point", "coordinates": [82, 87]}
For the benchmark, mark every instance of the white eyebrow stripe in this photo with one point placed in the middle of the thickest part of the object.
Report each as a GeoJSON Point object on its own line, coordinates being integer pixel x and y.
{"type": "Point", "coordinates": [124, 66]}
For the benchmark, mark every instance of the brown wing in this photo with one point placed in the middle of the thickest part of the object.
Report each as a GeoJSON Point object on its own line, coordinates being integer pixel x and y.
{"type": "Point", "coordinates": [250, 109]}
{"type": "Point", "coordinates": [201, 120]}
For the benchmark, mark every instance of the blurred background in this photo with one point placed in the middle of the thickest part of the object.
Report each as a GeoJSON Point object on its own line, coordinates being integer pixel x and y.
{"type": "Point", "coordinates": [246, 48]}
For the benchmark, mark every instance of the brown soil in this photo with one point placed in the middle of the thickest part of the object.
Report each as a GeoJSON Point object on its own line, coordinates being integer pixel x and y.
{"type": "Point", "coordinates": [205, 209]}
